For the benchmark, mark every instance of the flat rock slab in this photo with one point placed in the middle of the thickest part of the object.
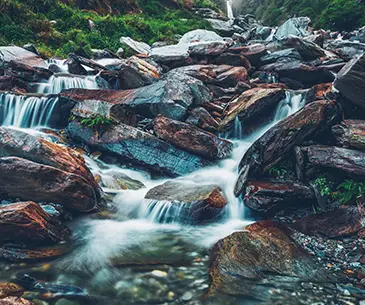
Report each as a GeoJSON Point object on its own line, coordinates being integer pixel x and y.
{"type": "Point", "coordinates": [265, 195]}
{"type": "Point", "coordinates": [350, 133]}
{"type": "Point", "coordinates": [281, 139]}
{"type": "Point", "coordinates": [192, 139]}
{"type": "Point", "coordinates": [20, 55]}
{"type": "Point", "coordinates": [186, 202]}
{"type": "Point", "coordinates": [141, 148]}
{"type": "Point", "coordinates": [28, 180]}
{"type": "Point", "coordinates": [262, 255]}
{"type": "Point", "coordinates": [27, 222]}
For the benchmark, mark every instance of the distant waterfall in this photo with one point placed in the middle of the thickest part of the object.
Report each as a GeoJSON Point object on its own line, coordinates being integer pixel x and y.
{"type": "Point", "coordinates": [229, 9]}
{"type": "Point", "coordinates": [59, 82]}
{"type": "Point", "coordinates": [26, 111]}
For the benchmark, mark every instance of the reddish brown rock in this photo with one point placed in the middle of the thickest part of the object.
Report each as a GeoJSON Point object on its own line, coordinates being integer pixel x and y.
{"type": "Point", "coordinates": [232, 59]}
{"type": "Point", "coordinates": [15, 301]}
{"type": "Point", "coordinates": [28, 73]}
{"type": "Point", "coordinates": [27, 222]}
{"type": "Point", "coordinates": [32, 255]}
{"type": "Point", "coordinates": [281, 139]}
{"type": "Point", "coordinates": [186, 202]}
{"type": "Point", "coordinates": [192, 139]}
{"type": "Point", "coordinates": [10, 289]}
{"type": "Point", "coordinates": [345, 221]}
{"type": "Point", "coordinates": [264, 196]}
{"type": "Point", "coordinates": [201, 118]}
{"type": "Point", "coordinates": [28, 180]}
{"type": "Point", "coordinates": [263, 254]}
{"type": "Point", "coordinates": [319, 92]}
{"type": "Point", "coordinates": [350, 133]}
{"type": "Point", "coordinates": [250, 104]}
{"type": "Point", "coordinates": [347, 160]}
{"type": "Point", "coordinates": [253, 52]}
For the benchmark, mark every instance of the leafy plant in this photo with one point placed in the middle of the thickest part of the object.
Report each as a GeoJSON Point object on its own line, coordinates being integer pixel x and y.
{"type": "Point", "coordinates": [325, 187]}
{"type": "Point", "coordinates": [97, 121]}
{"type": "Point", "coordinates": [349, 190]}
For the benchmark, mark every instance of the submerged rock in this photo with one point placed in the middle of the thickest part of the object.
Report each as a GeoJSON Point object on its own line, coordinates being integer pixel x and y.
{"type": "Point", "coordinates": [192, 139]}
{"type": "Point", "coordinates": [265, 195]}
{"type": "Point", "coordinates": [186, 202]}
{"type": "Point", "coordinates": [281, 139]}
{"type": "Point", "coordinates": [350, 133]}
{"type": "Point", "coordinates": [45, 183]}
{"type": "Point", "coordinates": [262, 255]}
{"type": "Point", "coordinates": [133, 145]}
{"type": "Point", "coordinates": [21, 254]}
{"type": "Point", "coordinates": [15, 301]}
{"type": "Point", "coordinates": [27, 222]}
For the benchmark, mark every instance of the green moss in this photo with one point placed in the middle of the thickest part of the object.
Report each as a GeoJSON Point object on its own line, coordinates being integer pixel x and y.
{"type": "Point", "coordinates": [96, 121]}
{"type": "Point", "coordinates": [57, 28]}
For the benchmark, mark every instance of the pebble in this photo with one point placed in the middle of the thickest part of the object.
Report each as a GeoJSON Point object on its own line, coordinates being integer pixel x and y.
{"type": "Point", "coordinates": [187, 296]}
{"type": "Point", "coordinates": [159, 273]}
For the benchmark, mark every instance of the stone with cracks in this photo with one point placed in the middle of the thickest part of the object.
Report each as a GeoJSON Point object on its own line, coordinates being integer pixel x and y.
{"type": "Point", "coordinates": [350, 133]}
{"type": "Point", "coordinates": [20, 55]}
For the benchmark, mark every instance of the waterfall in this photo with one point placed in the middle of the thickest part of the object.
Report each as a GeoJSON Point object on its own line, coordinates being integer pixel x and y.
{"type": "Point", "coordinates": [60, 63]}
{"type": "Point", "coordinates": [229, 9]}
{"type": "Point", "coordinates": [26, 111]}
{"type": "Point", "coordinates": [62, 81]}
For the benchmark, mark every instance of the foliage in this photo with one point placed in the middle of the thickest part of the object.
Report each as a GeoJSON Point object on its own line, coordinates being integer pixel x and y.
{"type": "Point", "coordinates": [59, 27]}
{"type": "Point", "coordinates": [349, 190]}
{"type": "Point", "coordinates": [324, 185]}
{"type": "Point", "coordinates": [283, 170]}
{"type": "Point", "coordinates": [96, 121]}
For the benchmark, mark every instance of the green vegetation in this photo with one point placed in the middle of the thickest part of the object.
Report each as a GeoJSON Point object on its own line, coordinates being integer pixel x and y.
{"type": "Point", "coordinates": [328, 14]}
{"type": "Point", "coordinates": [345, 192]}
{"type": "Point", "coordinates": [96, 122]}
{"type": "Point", "coordinates": [59, 27]}
{"type": "Point", "coordinates": [283, 170]}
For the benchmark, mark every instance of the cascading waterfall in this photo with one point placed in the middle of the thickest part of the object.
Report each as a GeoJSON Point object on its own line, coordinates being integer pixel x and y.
{"type": "Point", "coordinates": [26, 111]}
{"type": "Point", "coordinates": [229, 9]}
{"type": "Point", "coordinates": [60, 63]}
{"type": "Point", "coordinates": [62, 81]}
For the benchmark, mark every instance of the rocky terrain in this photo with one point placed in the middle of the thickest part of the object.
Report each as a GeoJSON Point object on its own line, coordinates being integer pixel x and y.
{"type": "Point", "coordinates": [224, 169]}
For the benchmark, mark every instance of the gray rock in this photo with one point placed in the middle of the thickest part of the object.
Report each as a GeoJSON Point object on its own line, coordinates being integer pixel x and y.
{"type": "Point", "coordinates": [294, 26]}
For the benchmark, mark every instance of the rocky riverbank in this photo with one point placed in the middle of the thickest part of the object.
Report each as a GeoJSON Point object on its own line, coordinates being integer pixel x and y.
{"type": "Point", "coordinates": [133, 178]}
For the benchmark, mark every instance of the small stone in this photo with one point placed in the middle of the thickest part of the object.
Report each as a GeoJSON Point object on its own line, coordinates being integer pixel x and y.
{"type": "Point", "coordinates": [171, 295]}
{"type": "Point", "coordinates": [187, 296]}
{"type": "Point", "coordinates": [159, 273]}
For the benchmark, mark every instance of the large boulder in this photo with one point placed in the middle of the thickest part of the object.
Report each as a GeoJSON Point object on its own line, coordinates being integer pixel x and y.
{"type": "Point", "coordinates": [201, 118]}
{"type": "Point", "coordinates": [262, 255]}
{"type": "Point", "coordinates": [27, 73]}
{"type": "Point", "coordinates": [295, 26]}
{"type": "Point", "coordinates": [350, 133]}
{"type": "Point", "coordinates": [350, 81]}
{"type": "Point", "coordinates": [20, 55]}
{"type": "Point", "coordinates": [27, 180]}
{"type": "Point", "coordinates": [141, 148]}
{"type": "Point", "coordinates": [252, 104]}
{"type": "Point", "coordinates": [171, 96]}
{"type": "Point", "coordinates": [265, 195]}
{"type": "Point", "coordinates": [192, 139]}
{"type": "Point", "coordinates": [17, 143]}
{"type": "Point", "coordinates": [346, 49]}
{"type": "Point", "coordinates": [281, 139]}
{"type": "Point", "coordinates": [27, 222]}
{"type": "Point", "coordinates": [346, 160]}
{"type": "Point", "coordinates": [307, 50]}
{"type": "Point", "coordinates": [290, 54]}
{"type": "Point", "coordinates": [186, 202]}
{"type": "Point", "coordinates": [136, 46]}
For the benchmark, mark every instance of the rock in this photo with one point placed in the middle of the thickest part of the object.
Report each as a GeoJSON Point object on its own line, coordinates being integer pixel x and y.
{"type": "Point", "coordinates": [281, 139]}
{"type": "Point", "coordinates": [201, 118]}
{"type": "Point", "coordinates": [45, 183]}
{"type": "Point", "coordinates": [137, 47]}
{"type": "Point", "coordinates": [15, 301]}
{"type": "Point", "coordinates": [295, 26]}
{"type": "Point", "coordinates": [141, 148]}
{"type": "Point", "coordinates": [17, 143]}
{"type": "Point", "coordinates": [86, 62]}
{"type": "Point", "coordinates": [319, 92]}
{"type": "Point", "coordinates": [171, 55]}
{"type": "Point", "coordinates": [28, 73]}
{"type": "Point", "coordinates": [347, 160]}
{"type": "Point", "coordinates": [192, 139]}
{"type": "Point", "coordinates": [232, 59]}
{"type": "Point", "coordinates": [225, 28]}
{"type": "Point", "coordinates": [31, 48]}
{"type": "Point", "coordinates": [187, 296]}
{"type": "Point", "coordinates": [199, 36]}
{"type": "Point", "coordinates": [307, 50]}
{"type": "Point", "coordinates": [350, 81]}
{"type": "Point", "coordinates": [10, 289]}
{"type": "Point", "coordinates": [345, 221]}
{"type": "Point", "coordinates": [105, 53]}
{"type": "Point", "coordinates": [186, 202]}
{"type": "Point", "coordinates": [346, 49]}
{"type": "Point", "coordinates": [305, 74]}
{"type": "Point", "coordinates": [15, 254]}
{"type": "Point", "coordinates": [251, 104]}
{"type": "Point", "coordinates": [27, 222]}
{"type": "Point", "coordinates": [11, 83]}
{"type": "Point", "coordinates": [171, 96]}
{"type": "Point", "coordinates": [262, 255]}
{"type": "Point", "coordinates": [282, 55]}
{"type": "Point", "coordinates": [20, 55]}
{"type": "Point", "coordinates": [253, 53]}
{"type": "Point", "coordinates": [350, 133]}
{"type": "Point", "coordinates": [265, 195]}
{"type": "Point", "coordinates": [120, 181]}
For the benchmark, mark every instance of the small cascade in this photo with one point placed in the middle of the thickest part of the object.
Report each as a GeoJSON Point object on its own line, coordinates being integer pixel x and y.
{"type": "Point", "coordinates": [62, 81]}
{"type": "Point", "coordinates": [229, 9]}
{"type": "Point", "coordinates": [291, 104]}
{"type": "Point", "coordinates": [26, 111]}
{"type": "Point", "coordinates": [60, 63]}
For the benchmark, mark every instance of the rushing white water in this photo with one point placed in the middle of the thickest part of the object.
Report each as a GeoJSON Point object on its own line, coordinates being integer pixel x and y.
{"type": "Point", "coordinates": [138, 220]}
{"type": "Point", "coordinates": [60, 63]}
{"type": "Point", "coordinates": [229, 9]}
{"type": "Point", "coordinates": [26, 111]}
{"type": "Point", "coordinates": [62, 81]}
